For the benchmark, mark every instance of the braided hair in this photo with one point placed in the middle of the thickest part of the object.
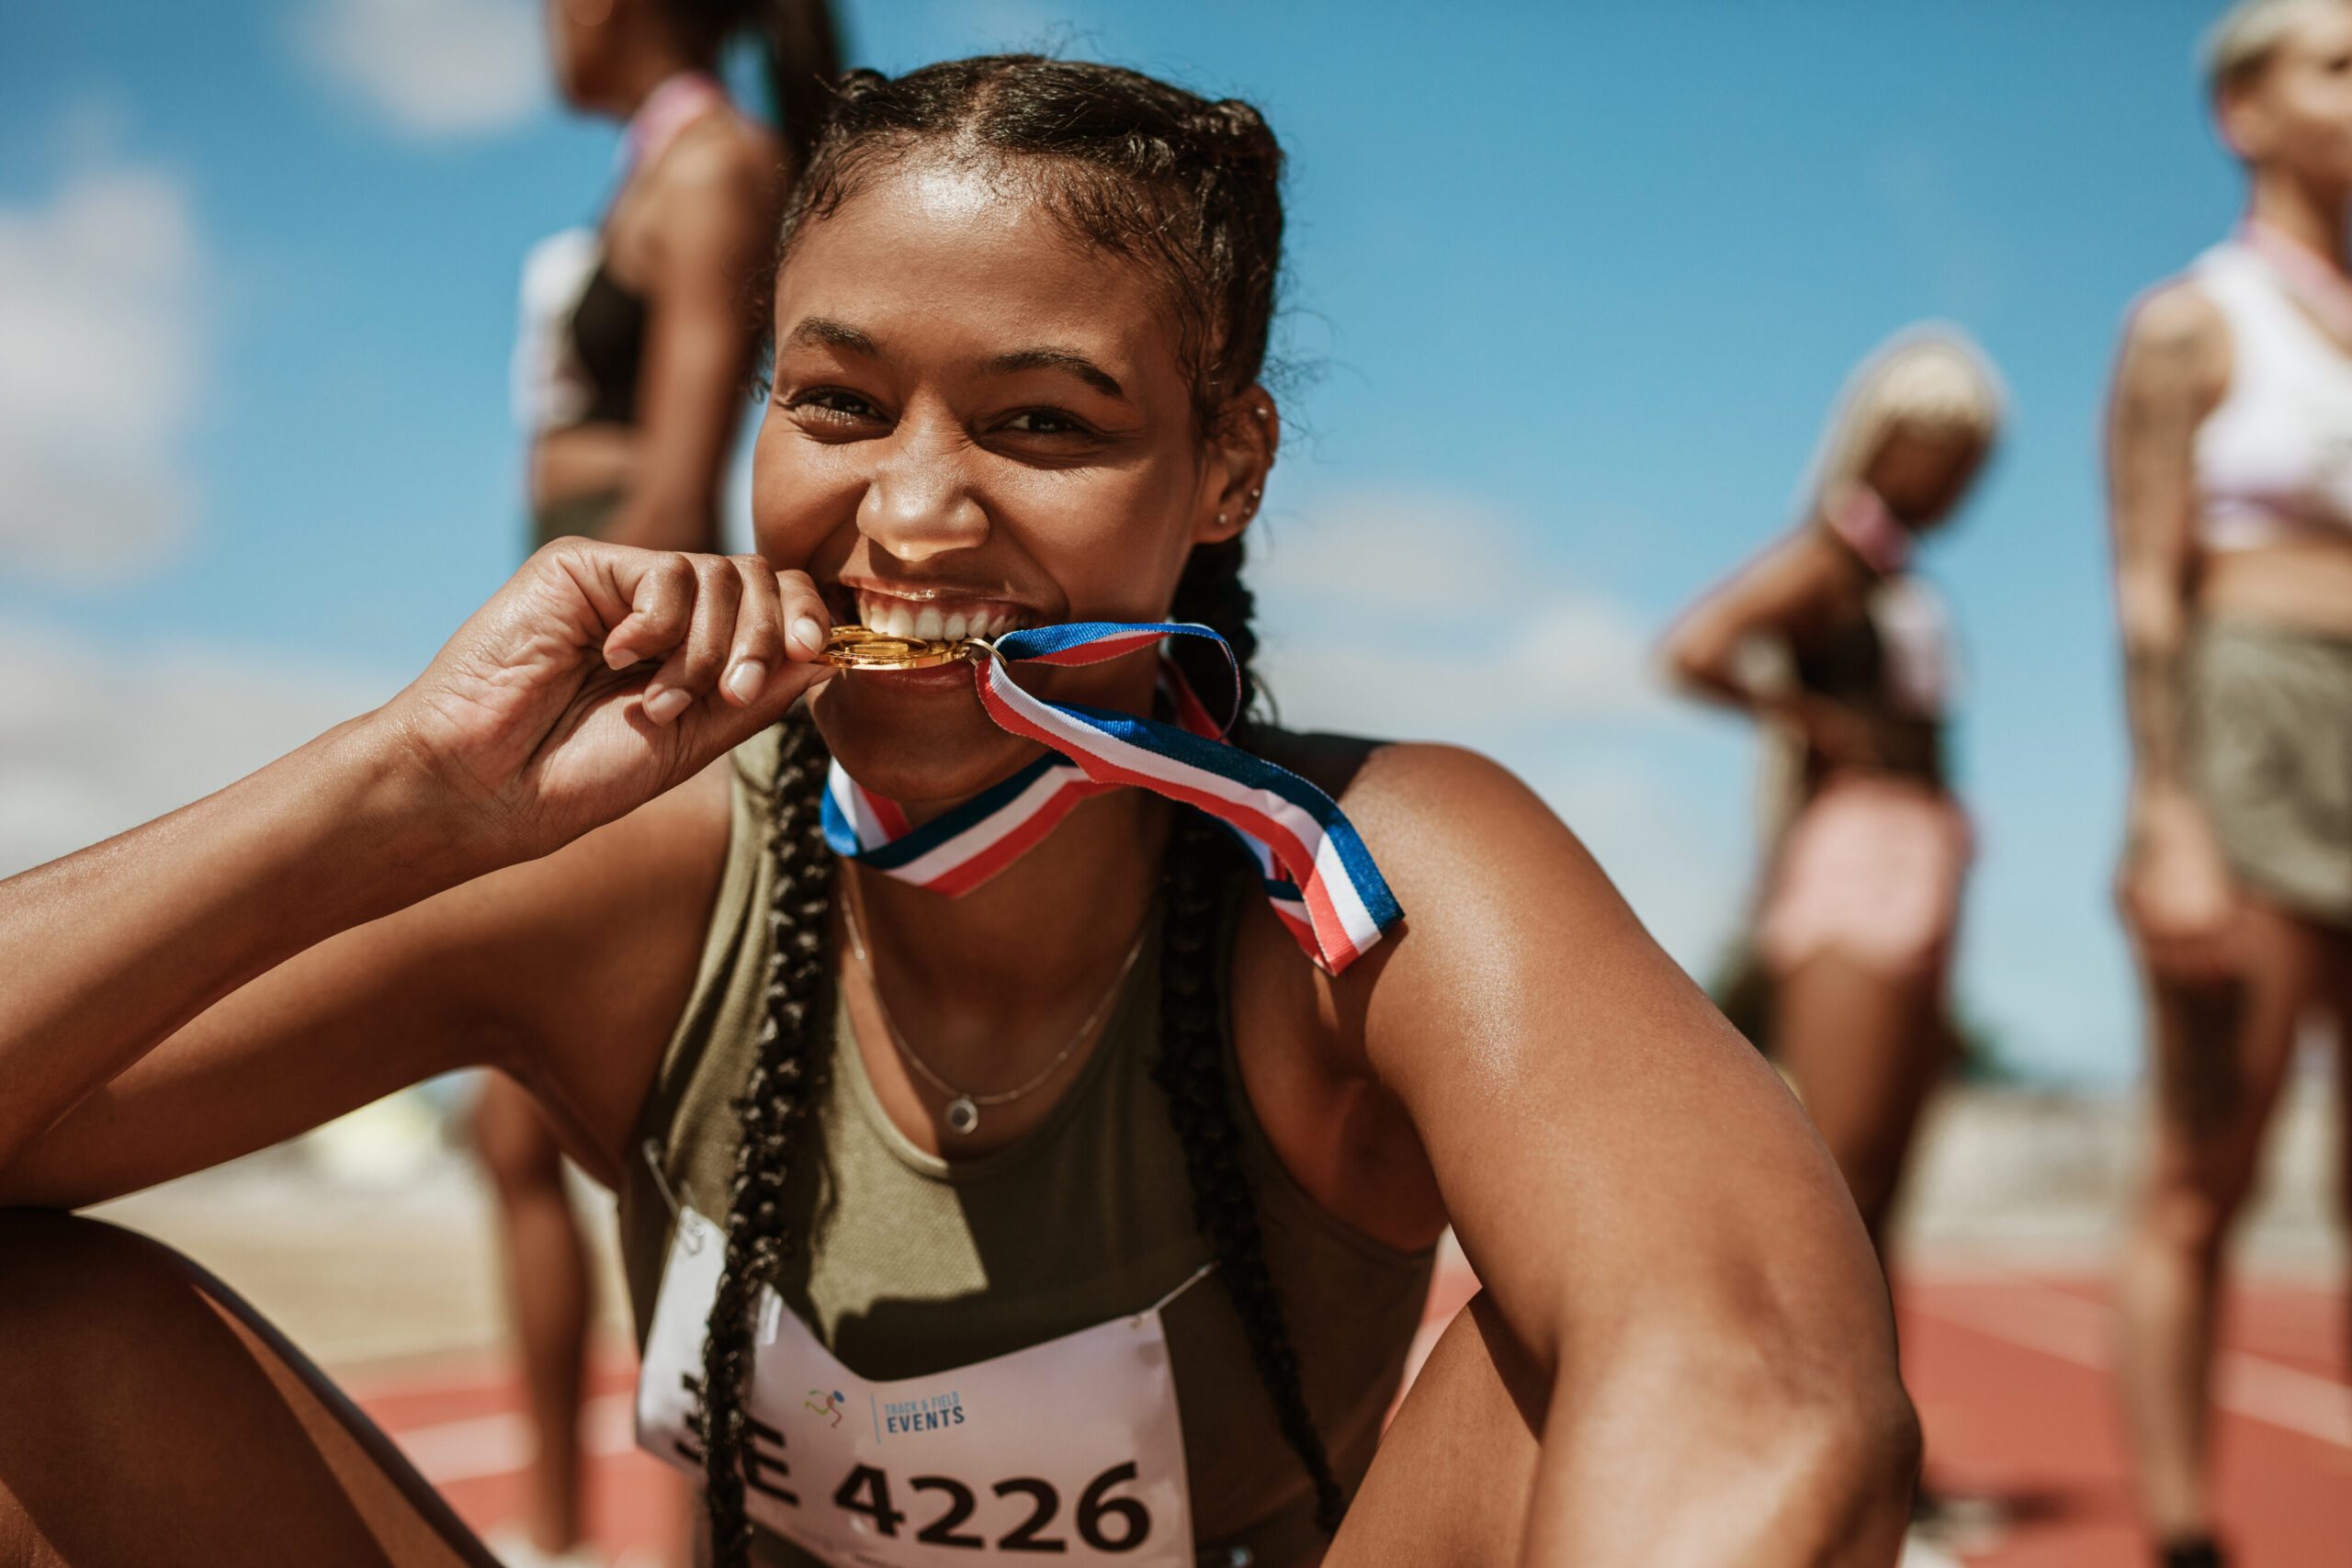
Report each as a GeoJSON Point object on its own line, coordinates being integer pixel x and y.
{"type": "Point", "coordinates": [1190, 189]}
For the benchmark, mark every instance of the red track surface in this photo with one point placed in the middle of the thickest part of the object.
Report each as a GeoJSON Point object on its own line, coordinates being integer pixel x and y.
{"type": "Point", "coordinates": [2007, 1369]}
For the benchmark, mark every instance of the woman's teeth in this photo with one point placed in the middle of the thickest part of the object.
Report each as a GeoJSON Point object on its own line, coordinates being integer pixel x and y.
{"type": "Point", "coordinates": [898, 618]}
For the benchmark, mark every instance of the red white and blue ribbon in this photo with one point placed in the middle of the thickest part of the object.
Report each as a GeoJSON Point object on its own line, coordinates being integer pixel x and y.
{"type": "Point", "coordinates": [1315, 872]}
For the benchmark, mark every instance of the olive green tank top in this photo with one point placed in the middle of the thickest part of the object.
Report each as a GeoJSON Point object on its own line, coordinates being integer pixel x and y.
{"type": "Point", "coordinates": [909, 1265]}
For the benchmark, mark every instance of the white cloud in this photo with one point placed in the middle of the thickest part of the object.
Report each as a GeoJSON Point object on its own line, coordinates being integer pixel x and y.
{"type": "Point", "coordinates": [1389, 613]}
{"type": "Point", "coordinates": [434, 68]}
{"type": "Point", "coordinates": [92, 743]}
{"type": "Point", "coordinates": [101, 354]}
{"type": "Point", "coordinates": [1431, 617]}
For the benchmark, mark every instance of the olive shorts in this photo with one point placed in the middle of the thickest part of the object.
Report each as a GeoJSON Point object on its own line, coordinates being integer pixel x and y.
{"type": "Point", "coordinates": [2269, 731]}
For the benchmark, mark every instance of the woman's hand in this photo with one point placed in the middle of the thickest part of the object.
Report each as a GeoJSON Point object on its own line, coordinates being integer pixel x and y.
{"type": "Point", "coordinates": [599, 677]}
{"type": "Point", "coordinates": [2175, 890]}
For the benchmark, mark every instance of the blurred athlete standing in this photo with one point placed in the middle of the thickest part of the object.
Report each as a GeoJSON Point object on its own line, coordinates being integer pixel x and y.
{"type": "Point", "coordinates": [2230, 477]}
{"type": "Point", "coordinates": [1831, 640]}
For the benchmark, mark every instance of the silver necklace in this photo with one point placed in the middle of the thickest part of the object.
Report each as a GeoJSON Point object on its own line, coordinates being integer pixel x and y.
{"type": "Point", "coordinates": [962, 1113]}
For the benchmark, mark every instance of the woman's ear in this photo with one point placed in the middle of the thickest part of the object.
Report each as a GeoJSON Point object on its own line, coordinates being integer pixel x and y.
{"type": "Point", "coordinates": [1241, 453]}
{"type": "Point", "coordinates": [2243, 121]}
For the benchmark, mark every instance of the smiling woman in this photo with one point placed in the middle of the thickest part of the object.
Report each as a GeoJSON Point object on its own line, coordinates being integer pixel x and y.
{"type": "Point", "coordinates": [997, 1175]}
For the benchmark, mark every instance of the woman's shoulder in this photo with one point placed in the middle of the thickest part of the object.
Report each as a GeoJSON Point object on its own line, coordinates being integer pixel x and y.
{"type": "Point", "coordinates": [724, 152]}
{"type": "Point", "coordinates": [2176, 340]}
{"type": "Point", "coordinates": [2180, 319]}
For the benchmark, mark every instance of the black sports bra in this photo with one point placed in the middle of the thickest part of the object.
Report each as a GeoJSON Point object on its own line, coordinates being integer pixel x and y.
{"type": "Point", "coordinates": [608, 344]}
{"type": "Point", "coordinates": [1846, 662]}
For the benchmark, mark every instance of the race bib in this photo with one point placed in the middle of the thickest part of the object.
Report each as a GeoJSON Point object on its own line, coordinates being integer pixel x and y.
{"type": "Point", "coordinates": [1071, 1448]}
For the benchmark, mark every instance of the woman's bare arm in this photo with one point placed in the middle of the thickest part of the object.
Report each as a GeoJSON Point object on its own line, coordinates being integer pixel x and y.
{"type": "Point", "coordinates": [1649, 1212]}
{"type": "Point", "coordinates": [715, 214]}
{"type": "Point", "coordinates": [1791, 587]}
{"type": "Point", "coordinates": [2175, 366]}
{"type": "Point", "coordinates": [535, 726]}
{"type": "Point", "coordinates": [567, 973]}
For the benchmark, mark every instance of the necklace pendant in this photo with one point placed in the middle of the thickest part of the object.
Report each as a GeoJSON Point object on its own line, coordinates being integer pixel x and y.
{"type": "Point", "coordinates": [962, 1116]}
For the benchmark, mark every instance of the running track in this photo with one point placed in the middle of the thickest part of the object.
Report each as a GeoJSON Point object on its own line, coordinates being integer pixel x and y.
{"type": "Point", "coordinates": [2007, 1369]}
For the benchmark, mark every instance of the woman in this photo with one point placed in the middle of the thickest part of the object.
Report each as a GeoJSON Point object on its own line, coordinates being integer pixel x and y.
{"type": "Point", "coordinates": [631, 371]}
{"type": "Point", "coordinates": [2231, 503]}
{"type": "Point", "coordinates": [637, 338]}
{"type": "Point", "coordinates": [883, 1149]}
{"type": "Point", "coordinates": [1862, 895]}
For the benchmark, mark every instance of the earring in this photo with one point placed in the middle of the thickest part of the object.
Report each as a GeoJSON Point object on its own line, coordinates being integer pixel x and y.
{"type": "Point", "coordinates": [1220, 519]}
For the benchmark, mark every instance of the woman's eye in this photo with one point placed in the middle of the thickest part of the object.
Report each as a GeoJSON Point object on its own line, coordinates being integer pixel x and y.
{"type": "Point", "coordinates": [1043, 422]}
{"type": "Point", "coordinates": [830, 405]}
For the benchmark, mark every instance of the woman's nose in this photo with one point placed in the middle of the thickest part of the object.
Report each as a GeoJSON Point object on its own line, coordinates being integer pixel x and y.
{"type": "Point", "coordinates": [920, 502]}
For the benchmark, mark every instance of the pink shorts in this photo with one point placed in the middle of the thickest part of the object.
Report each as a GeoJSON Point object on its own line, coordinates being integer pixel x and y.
{"type": "Point", "coordinates": [1870, 870]}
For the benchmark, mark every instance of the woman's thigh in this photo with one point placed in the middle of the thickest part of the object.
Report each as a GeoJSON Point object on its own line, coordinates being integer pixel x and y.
{"type": "Point", "coordinates": [1864, 1045]}
{"type": "Point", "coordinates": [154, 1418]}
{"type": "Point", "coordinates": [1456, 1468]}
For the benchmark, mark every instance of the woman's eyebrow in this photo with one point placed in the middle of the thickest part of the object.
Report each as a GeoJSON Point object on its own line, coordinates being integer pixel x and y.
{"type": "Point", "coordinates": [1067, 359]}
{"type": "Point", "coordinates": [818, 332]}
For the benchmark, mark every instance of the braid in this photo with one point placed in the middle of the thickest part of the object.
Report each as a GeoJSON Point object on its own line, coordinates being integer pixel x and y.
{"type": "Point", "coordinates": [776, 1095]}
{"type": "Point", "coordinates": [1191, 1068]}
{"type": "Point", "coordinates": [1212, 594]}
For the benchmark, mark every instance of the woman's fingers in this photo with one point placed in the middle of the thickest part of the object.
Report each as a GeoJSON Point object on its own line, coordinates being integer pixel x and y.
{"type": "Point", "coordinates": [758, 648]}
{"type": "Point", "coordinates": [726, 625]}
{"type": "Point", "coordinates": [659, 588]}
{"type": "Point", "coordinates": [779, 632]}
{"type": "Point", "coordinates": [807, 621]}
{"type": "Point", "coordinates": [696, 663]}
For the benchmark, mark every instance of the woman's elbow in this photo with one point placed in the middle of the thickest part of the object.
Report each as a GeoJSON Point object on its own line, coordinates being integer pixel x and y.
{"type": "Point", "coordinates": [1853, 1451]}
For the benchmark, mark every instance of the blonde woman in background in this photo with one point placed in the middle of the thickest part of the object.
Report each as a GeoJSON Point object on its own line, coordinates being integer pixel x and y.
{"type": "Point", "coordinates": [1830, 638]}
{"type": "Point", "coordinates": [2231, 475]}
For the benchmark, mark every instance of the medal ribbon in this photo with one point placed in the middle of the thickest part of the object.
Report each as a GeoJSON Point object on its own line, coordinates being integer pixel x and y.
{"type": "Point", "coordinates": [1315, 871]}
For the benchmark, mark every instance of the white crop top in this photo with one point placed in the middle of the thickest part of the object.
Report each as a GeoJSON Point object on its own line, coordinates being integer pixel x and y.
{"type": "Point", "coordinates": [2275, 458]}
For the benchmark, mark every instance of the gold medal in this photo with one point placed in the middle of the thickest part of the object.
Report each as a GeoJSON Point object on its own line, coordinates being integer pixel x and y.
{"type": "Point", "coordinates": [856, 648]}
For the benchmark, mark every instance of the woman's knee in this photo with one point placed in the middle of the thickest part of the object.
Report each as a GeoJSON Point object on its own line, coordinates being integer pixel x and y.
{"type": "Point", "coordinates": [171, 1423]}
{"type": "Point", "coordinates": [74, 1279]}
{"type": "Point", "coordinates": [2190, 1213]}
{"type": "Point", "coordinates": [92, 1317]}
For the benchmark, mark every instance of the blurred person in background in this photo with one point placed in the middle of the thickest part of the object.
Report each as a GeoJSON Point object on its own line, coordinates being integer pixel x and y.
{"type": "Point", "coordinates": [1844, 654]}
{"type": "Point", "coordinates": [631, 375]}
{"type": "Point", "coordinates": [2230, 466]}
{"type": "Point", "coordinates": [1092, 1130]}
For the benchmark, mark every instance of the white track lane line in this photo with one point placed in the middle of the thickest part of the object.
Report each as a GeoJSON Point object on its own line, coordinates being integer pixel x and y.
{"type": "Point", "coordinates": [501, 1445]}
{"type": "Point", "coordinates": [2072, 1329]}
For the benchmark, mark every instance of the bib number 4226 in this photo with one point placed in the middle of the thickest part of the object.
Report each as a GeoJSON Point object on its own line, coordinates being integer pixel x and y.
{"type": "Point", "coordinates": [1105, 1523]}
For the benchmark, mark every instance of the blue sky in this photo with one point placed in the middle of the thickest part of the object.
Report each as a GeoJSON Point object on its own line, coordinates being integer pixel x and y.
{"type": "Point", "coordinates": [1571, 289]}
